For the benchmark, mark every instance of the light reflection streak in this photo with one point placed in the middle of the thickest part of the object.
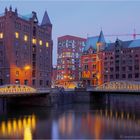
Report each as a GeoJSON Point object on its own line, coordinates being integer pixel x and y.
{"type": "Point", "coordinates": [96, 124]}
{"type": "Point", "coordinates": [22, 127]}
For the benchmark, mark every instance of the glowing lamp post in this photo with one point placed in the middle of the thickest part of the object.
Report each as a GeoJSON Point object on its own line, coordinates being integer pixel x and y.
{"type": "Point", "coordinates": [27, 67]}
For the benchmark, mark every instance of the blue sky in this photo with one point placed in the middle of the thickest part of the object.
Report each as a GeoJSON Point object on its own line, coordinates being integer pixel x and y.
{"type": "Point", "coordinates": [83, 17]}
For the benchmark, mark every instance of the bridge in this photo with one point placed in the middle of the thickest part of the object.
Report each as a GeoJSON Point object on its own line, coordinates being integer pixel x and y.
{"type": "Point", "coordinates": [20, 90]}
{"type": "Point", "coordinates": [118, 86]}
{"type": "Point", "coordinates": [105, 94]}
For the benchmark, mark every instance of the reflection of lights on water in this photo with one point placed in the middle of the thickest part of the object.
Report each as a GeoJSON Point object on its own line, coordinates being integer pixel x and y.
{"type": "Point", "coordinates": [122, 115]}
{"type": "Point", "coordinates": [3, 127]}
{"type": "Point", "coordinates": [14, 125]}
{"type": "Point", "coordinates": [19, 124]}
{"type": "Point", "coordinates": [22, 126]}
{"type": "Point", "coordinates": [33, 121]}
{"type": "Point", "coordinates": [9, 127]}
{"type": "Point", "coordinates": [27, 133]}
{"type": "Point", "coordinates": [66, 123]}
{"type": "Point", "coordinates": [97, 127]}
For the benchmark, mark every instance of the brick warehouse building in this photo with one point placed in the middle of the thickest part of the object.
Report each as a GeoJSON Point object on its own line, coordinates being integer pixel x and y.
{"type": "Point", "coordinates": [68, 61]}
{"type": "Point", "coordinates": [118, 61]}
{"type": "Point", "coordinates": [25, 49]}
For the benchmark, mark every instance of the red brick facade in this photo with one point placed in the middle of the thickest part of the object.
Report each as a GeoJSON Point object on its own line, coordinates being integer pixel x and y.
{"type": "Point", "coordinates": [25, 49]}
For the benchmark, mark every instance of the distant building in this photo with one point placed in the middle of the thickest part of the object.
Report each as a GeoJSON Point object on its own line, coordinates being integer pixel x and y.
{"type": "Point", "coordinates": [54, 76]}
{"type": "Point", "coordinates": [104, 62]}
{"type": "Point", "coordinates": [122, 61]}
{"type": "Point", "coordinates": [68, 62]}
{"type": "Point", "coordinates": [25, 49]}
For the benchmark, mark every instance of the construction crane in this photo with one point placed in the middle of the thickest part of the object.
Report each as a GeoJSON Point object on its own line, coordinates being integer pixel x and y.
{"type": "Point", "coordinates": [134, 34]}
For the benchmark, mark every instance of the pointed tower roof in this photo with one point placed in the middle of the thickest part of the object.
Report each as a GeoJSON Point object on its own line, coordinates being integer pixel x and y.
{"type": "Point", "coordinates": [101, 38]}
{"type": "Point", "coordinates": [46, 19]}
{"type": "Point", "coordinates": [118, 42]}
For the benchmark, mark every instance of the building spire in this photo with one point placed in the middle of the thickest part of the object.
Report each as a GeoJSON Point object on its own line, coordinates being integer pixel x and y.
{"type": "Point", "coordinates": [6, 10]}
{"type": "Point", "coordinates": [101, 38]}
{"type": "Point", "coordinates": [45, 19]}
{"type": "Point", "coordinates": [10, 8]}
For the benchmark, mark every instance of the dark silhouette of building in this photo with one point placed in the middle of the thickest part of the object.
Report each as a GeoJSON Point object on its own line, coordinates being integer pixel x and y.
{"type": "Point", "coordinates": [25, 49]}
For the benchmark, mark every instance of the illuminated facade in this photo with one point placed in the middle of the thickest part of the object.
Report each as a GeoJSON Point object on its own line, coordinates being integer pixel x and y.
{"type": "Point", "coordinates": [68, 61]}
{"type": "Point", "coordinates": [92, 61]}
{"type": "Point", "coordinates": [25, 49]}
{"type": "Point", "coordinates": [104, 62]}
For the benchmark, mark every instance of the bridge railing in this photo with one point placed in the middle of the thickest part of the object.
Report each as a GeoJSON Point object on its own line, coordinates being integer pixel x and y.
{"type": "Point", "coordinates": [128, 86]}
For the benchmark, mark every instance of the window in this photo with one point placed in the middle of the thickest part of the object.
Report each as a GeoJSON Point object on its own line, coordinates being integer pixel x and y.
{"type": "Point", "coordinates": [86, 67]}
{"type": "Point", "coordinates": [34, 41]}
{"type": "Point", "coordinates": [33, 73]}
{"type": "Point", "coordinates": [40, 42]}
{"type": "Point", "coordinates": [33, 82]}
{"type": "Point", "coordinates": [16, 35]}
{"type": "Point", "coordinates": [111, 69]}
{"type": "Point", "coordinates": [1, 81]}
{"type": "Point", "coordinates": [47, 83]}
{"type": "Point", "coordinates": [105, 76]}
{"type": "Point", "coordinates": [17, 81]}
{"type": "Point", "coordinates": [47, 44]}
{"type": "Point", "coordinates": [25, 38]}
{"type": "Point", "coordinates": [136, 75]}
{"type": "Point", "coordinates": [1, 43]}
{"type": "Point", "coordinates": [41, 82]}
{"type": "Point", "coordinates": [94, 66]}
{"type": "Point", "coordinates": [129, 75]}
{"type": "Point", "coordinates": [117, 68]}
{"type": "Point", "coordinates": [136, 67]}
{"type": "Point", "coordinates": [17, 73]}
{"type": "Point", "coordinates": [123, 76]}
{"type": "Point", "coordinates": [1, 35]}
{"type": "Point", "coordinates": [123, 68]}
{"type": "Point", "coordinates": [117, 76]}
{"type": "Point", "coordinates": [130, 68]}
{"type": "Point", "coordinates": [34, 31]}
{"type": "Point", "coordinates": [26, 82]}
{"type": "Point", "coordinates": [111, 76]}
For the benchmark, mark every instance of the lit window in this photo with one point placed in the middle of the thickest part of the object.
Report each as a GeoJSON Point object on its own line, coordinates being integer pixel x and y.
{"type": "Point", "coordinates": [25, 38]}
{"type": "Point", "coordinates": [16, 34]}
{"type": "Point", "coordinates": [17, 73]}
{"type": "Point", "coordinates": [40, 42]}
{"type": "Point", "coordinates": [34, 41]}
{"type": "Point", "coordinates": [1, 35]}
{"type": "Point", "coordinates": [47, 44]}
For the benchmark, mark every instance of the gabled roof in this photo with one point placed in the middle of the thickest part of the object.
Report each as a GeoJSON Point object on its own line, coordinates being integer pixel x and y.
{"type": "Point", "coordinates": [91, 42]}
{"type": "Point", "coordinates": [134, 44]}
{"type": "Point", "coordinates": [124, 44]}
{"type": "Point", "coordinates": [46, 19]}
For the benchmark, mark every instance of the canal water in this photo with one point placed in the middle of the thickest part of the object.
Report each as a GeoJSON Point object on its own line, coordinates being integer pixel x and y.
{"type": "Point", "coordinates": [77, 121]}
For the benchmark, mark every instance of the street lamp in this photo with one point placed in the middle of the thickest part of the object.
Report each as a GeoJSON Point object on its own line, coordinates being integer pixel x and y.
{"type": "Point", "coordinates": [27, 67]}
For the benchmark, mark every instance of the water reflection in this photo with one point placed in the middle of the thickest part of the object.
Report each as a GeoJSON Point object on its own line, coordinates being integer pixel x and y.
{"type": "Point", "coordinates": [73, 122]}
{"type": "Point", "coordinates": [18, 128]}
{"type": "Point", "coordinates": [97, 124]}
